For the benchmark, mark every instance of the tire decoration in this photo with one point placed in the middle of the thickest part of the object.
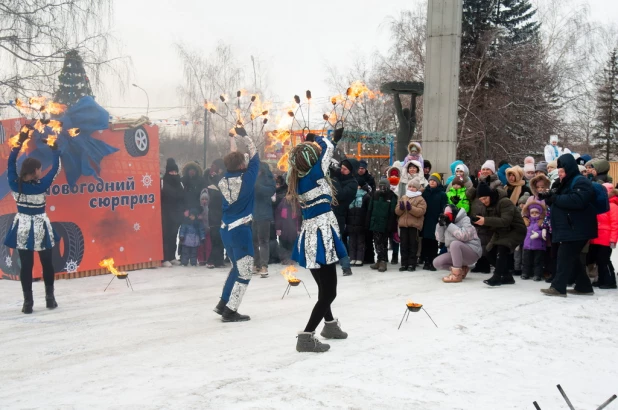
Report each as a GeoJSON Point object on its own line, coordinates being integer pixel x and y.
{"type": "Point", "coordinates": [137, 142]}
{"type": "Point", "coordinates": [69, 248]}
{"type": "Point", "coordinates": [9, 258]}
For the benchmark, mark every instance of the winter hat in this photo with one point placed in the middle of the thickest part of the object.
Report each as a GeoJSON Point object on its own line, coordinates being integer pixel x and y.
{"type": "Point", "coordinates": [524, 198]}
{"type": "Point", "coordinates": [414, 183]}
{"type": "Point", "coordinates": [553, 138]}
{"type": "Point", "coordinates": [581, 168]}
{"type": "Point", "coordinates": [458, 181]}
{"type": "Point", "coordinates": [553, 164]}
{"type": "Point", "coordinates": [583, 159]}
{"type": "Point", "coordinates": [346, 163]}
{"type": "Point", "coordinates": [483, 190]}
{"type": "Point", "coordinates": [415, 163]}
{"type": "Point", "coordinates": [490, 164]}
{"type": "Point", "coordinates": [362, 164]}
{"type": "Point", "coordinates": [609, 187]}
{"type": "Point", "coordinates": [451, 211]}
{"type": "Point", "coordinates": [204, 194]}
{"type": "Point", "coordinates": [427, 164]}
{"type": "Point", "coordinates": [528, 164]}
{"type": "Point", "coordinates": [171, 166]}
{"type": "Point", "coordinates": [602, 166]}
{"type": "Point", "coordinates": [383, 182]}
{"type": "Point", "coordinates": [464, 168]}
{"type": "Point", "coordinates": [541, 166]}
{"type": "Point", "coordinates": [436, 177]}
{"type": "Point", "coordinates": [537, 206]}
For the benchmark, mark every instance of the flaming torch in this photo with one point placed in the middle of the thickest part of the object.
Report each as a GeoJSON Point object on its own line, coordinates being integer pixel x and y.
{"type": "Point", "coordinates": [288, 274]}
{"type": "Point", "coordinates": [413, 307]}
{"type": "Point", "coordinates": [109, 265]}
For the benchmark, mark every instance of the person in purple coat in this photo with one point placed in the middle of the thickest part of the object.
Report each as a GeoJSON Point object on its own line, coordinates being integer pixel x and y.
{"type": "Point", "coordinates": [535, 243]}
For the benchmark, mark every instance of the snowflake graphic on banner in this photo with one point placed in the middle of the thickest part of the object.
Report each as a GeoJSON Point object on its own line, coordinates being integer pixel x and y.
{"type": "Point", "coordinates": [8, 261]}
{"type": "Point", "coordinates": [71, 266]}
{"type": "Point", "coordinates": [136, 226]}
{"type": "Point", "coordinates": [147, 180]}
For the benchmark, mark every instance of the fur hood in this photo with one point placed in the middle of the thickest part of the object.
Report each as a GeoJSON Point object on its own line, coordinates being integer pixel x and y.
{"type": "Point", "coordinates": [534, 181]}
{"type": "Point", "coordinates": [526, 211]}
{"type": "Point", "coordinates": [199, 172]}
{"type": "Point", "coordinates": [517, 171]}
{"type": "Point", "coordinates": [418, 147]}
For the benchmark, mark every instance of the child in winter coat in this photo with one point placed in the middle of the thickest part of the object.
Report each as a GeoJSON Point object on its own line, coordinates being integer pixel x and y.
{"type": "Point", "coordinates": [203, 252]}
{"type": "Point", "coordinates": [191, 234]}
{"type": "Point", "coordinates": [601, 247]}
{"type": "Point", "coordinates": [356, 225]}
{"type": "Point", "coordinates": [457, 194]}
{"type": "Point", "coordinates": [382, 221]}
{"type": "Point", "coordinates": [534, 244]}
{"type": "Point", "coordinates": [529, 168]}
{"type": "Point", "coordinates": [411, 211]}
{"type": "Point", "coordinates": [415, 153]}
{"type": "Point", "coordinates": [412, 172]}
{"type": "Point", "coordinates": [518, 255]}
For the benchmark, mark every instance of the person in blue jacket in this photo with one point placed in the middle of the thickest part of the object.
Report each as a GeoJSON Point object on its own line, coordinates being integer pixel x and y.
{"type": "Point", "coordinates": [31, 230]}
{"type": "Point", "coordinates": [319, 246]}
{"type": "Point", "coordinates": [238, 190]}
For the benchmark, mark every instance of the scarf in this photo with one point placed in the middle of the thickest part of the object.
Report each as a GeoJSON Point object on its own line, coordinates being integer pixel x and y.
{"type": "Point", "coordinates": [516, 191]}
{"type": "Point", "coordinates": [556, 153]}
{"type": "Point", "coordinates": [411, 194]}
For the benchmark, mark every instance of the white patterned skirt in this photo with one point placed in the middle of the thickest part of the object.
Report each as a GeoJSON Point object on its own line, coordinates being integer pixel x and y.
{"type": "Point", "coordinates": [319, 242]}
{"type": "Point", "coordinates": [31, 232]}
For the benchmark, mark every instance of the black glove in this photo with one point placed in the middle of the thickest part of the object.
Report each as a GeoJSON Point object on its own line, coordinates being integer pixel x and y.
{"type": "Point", "coordinates": [455, 200]}
{"type": "Point", "coordinates": [338, 135]}
{"type": "Point", "coordinates": [241, 131]}
{"type": "Point", "coordinates": [548, 196]}
{"type": "Point", "coordinates": [443, 220]}
{"type": "Point", "coordinates": [24, 134]}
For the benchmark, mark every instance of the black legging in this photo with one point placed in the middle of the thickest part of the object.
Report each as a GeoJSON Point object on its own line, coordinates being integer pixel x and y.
{"type": "Point", "coordinates": [27, 263]}
{"type": "Point", "coordinates": [326, 278]}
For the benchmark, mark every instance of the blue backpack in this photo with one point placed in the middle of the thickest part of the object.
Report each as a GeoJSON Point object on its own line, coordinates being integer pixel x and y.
{"type": "Point", "coordinates": [600, 200]}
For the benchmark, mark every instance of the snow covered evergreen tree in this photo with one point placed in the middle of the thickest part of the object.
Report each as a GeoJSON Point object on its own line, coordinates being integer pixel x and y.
{"type": "Point", "coordinates": [607, 107]}
{"type": "Point", "coordinates": [74, 83]}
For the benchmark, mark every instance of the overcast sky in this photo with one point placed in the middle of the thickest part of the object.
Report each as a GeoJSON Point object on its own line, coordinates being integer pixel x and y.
{"type": "Point", "coordinates": [295, 39]}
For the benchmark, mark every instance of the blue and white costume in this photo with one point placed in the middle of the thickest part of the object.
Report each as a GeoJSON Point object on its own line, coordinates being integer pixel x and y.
{"type": "Point", "coordinates": [31, 229]}
{"type": "Point", "coordinates": [238, 199]}
{"type": "Point", "coordinates": [319, 242]}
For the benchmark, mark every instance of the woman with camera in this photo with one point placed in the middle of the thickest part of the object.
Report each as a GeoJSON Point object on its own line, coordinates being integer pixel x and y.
{"type": "Point", "coordinates": [464, 246]}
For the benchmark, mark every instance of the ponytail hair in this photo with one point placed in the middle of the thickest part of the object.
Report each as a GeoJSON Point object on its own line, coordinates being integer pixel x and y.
{"type": "Point", "coordinates": [301, 160]}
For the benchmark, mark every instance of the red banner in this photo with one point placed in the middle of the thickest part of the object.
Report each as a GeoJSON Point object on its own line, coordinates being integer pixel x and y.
{"type": "Point", "coordinates": [118, 215]}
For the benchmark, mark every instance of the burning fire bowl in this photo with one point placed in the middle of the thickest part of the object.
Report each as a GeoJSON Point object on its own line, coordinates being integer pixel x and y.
{"type": "Point", "coordinates": [294, 282]}
{"type": "Point", "coordinates": [124, 276]}
{"type": "Point", "coordinates": [414, 307]}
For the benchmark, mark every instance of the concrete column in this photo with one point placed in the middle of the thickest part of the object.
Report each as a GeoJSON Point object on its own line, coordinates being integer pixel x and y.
{"type": "Point", "coordinates": [440, 100]}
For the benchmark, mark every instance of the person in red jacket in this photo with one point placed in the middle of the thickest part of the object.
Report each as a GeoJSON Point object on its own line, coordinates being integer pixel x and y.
{"type": "Point", "coordinates": [601, 247]}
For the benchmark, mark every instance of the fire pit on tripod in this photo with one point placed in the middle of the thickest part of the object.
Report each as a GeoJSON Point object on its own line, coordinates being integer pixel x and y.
{"type": "Point", "coordinates": [413, 307]}
{"type": "Point", "coordinates": [293, 281]}
{"type": "Point", "coordinates": [109, 265]}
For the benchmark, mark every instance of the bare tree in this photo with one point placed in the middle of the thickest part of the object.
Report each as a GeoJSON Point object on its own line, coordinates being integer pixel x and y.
{"type": "Point", "coordinates": [36, 34]}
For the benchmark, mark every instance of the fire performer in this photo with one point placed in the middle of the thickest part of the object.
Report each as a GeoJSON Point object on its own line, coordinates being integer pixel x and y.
{"type": "Point", "coordinates": [319, 245]}
{"type": "Point", "coordinates": [31, 230]}
{"type": "Point", "coordinates": [237, 188]}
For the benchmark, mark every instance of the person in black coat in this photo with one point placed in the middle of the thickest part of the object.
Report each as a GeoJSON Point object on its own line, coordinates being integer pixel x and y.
{"type": "Point", "coordinates": [172, 208]}
{"type": "Point", "coordinates": [193, 182]}
{"type": "Point", "coordinates": [356, 224]}
{"type": "Point", "coordinates": [573, 223]}
{"type": "Point", "coordinates": [215, 214]}
{"type": "Point", "coordinates": [345, 184]}
{"type": "Point", "coordinates": [364, 177]}
{"type": "Point", "coordinates": [436, 200]}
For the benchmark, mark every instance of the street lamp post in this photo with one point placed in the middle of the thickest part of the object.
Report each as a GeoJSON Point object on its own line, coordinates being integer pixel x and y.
{"type": "Point", "coordinates": [147, 98]}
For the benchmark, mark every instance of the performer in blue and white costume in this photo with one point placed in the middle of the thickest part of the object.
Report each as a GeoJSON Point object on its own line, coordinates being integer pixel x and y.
{"type": "Point", "coordinates": [319, 245]}
{"type": "Point", "coordinates": [553, 151]}
{"type": "Point", "coordinates": [237, 188]}
{"type": "Point", "coordinates": [31, 230]}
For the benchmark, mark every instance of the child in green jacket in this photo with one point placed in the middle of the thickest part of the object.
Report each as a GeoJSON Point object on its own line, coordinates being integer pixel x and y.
{"type": "Point", "coordinates": [457, 195]}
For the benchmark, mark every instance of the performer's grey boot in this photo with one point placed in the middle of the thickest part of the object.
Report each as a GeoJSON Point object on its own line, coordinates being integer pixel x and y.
{"type": "Point", "coordinates": [28, 303]}
{"type": "Point", "coordinates": [307, 342]}
{"type": "Point", "coordinates": [333, 331]}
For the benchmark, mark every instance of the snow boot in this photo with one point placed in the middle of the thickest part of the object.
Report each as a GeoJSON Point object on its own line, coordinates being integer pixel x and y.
{"type": "Point", "coordinates": [507, 279]}
{"type": "Point", "coordinates": [382, 266]}
{"type": "Point", "coordinates": [220, 306]}
{"type": "Point", "coordinates": [525, 276]}
{"type": "Point", "coordinates": [230, 315]}
{"type": "Point", "coordinates": [411, 268]}
{"type": "Point", "coordinates": [375, 265]}
{"type": "Point", "coordinates": [28, 303]}
{"type": "Point", "coordinates": [537, 278]}
{"type": "Point", "coordinates": [332, 330]}
{"type": "Point", "coordinates": [553, 292]}
{"type": "Point", "coordinates": [395, 260]}
{"type": "Point", "coordinates": [455, 276]}
{"type": "Point", "coordinates": [307, 342]}
{"type": "Point", "coordinates": [347, 272]}
{"type": "Point", "coordinates": [50, 300]}
{"type": "Point", "coordinates": [464, 271]}
{"type": "Point", "coordinates": [403, 268]}
{"type": "Point", "coordinates": [429, 266]}
{"type": "Point", "coordinates": [494, 280]}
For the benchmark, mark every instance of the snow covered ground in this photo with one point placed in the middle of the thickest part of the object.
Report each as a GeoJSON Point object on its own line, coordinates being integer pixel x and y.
{"type": "Point", "coordinates": [161, 346]}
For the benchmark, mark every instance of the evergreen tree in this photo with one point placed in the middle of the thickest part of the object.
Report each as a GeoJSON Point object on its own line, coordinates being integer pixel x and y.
{"type": "Point", "coordinates": [74, 83]}
{"type": "Point", "coordinates": [607, 107]}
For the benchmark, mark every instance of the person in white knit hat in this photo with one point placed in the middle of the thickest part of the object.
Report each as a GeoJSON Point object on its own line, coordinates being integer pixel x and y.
{"type": "Point", "coordinates": [529, 169]}
{"type": "Point", "coordinates": [553, 151]}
